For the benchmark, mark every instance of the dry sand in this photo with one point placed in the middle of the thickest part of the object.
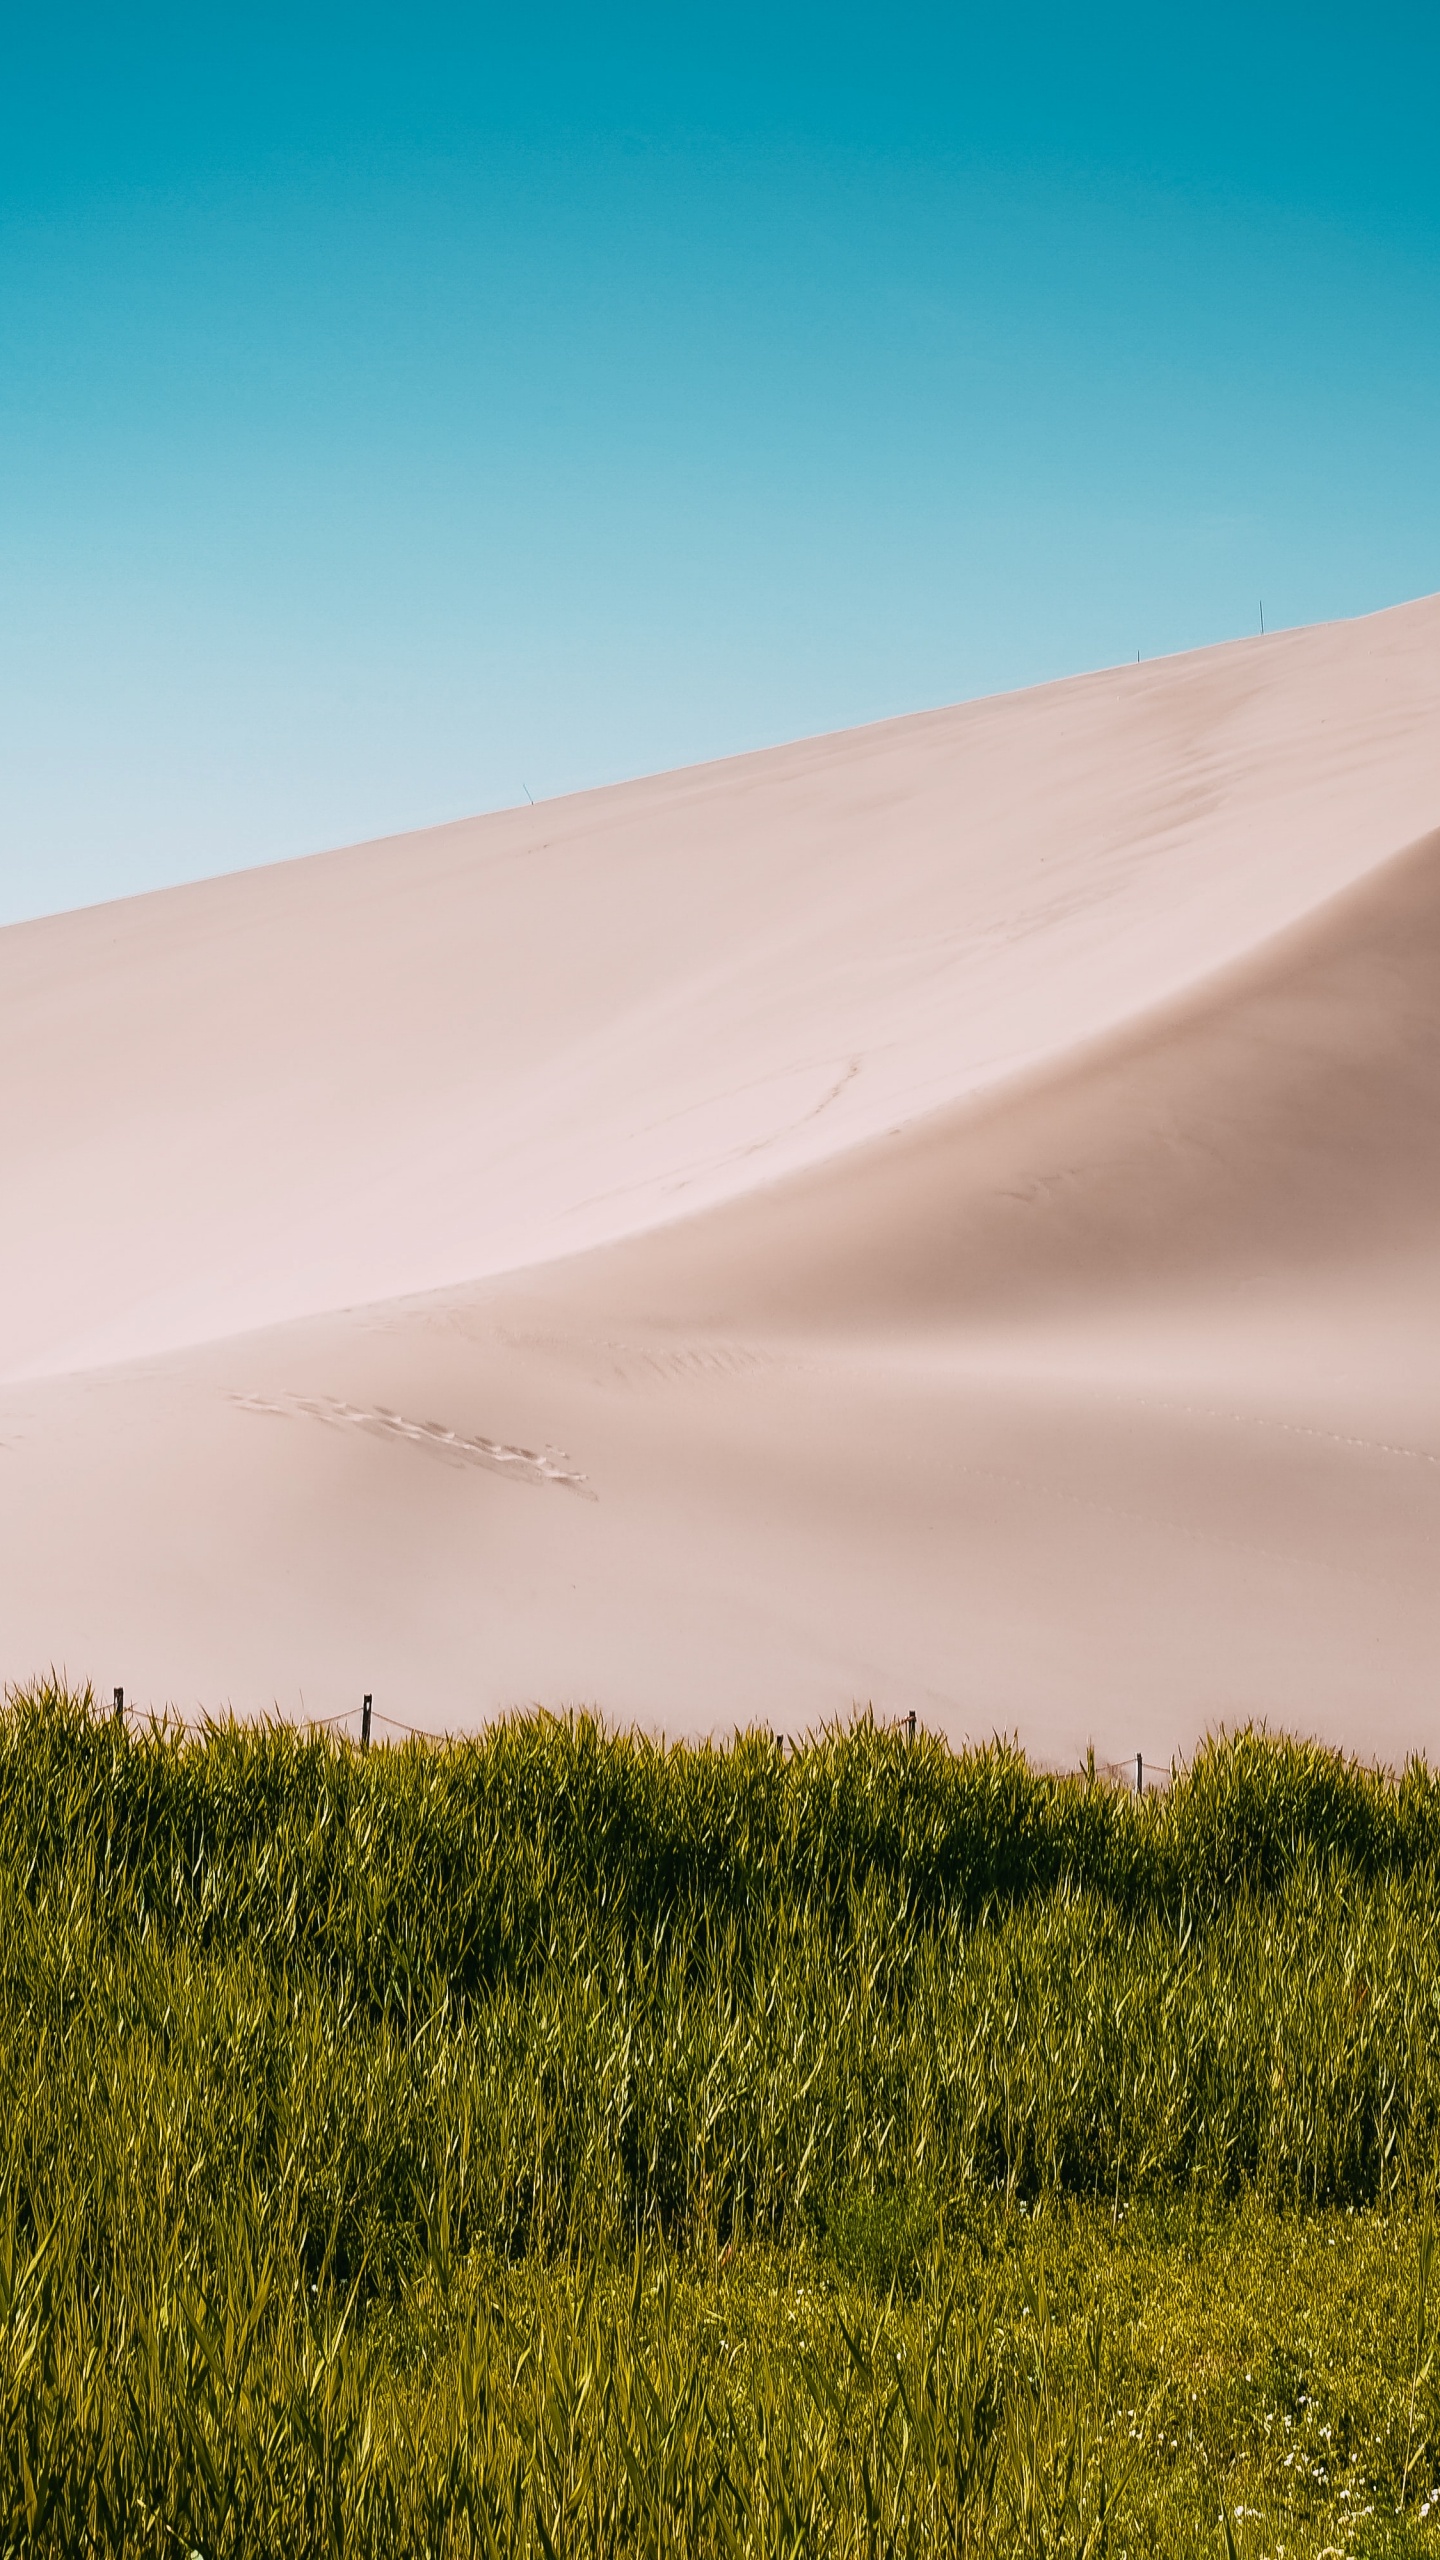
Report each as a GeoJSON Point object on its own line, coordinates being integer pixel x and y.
{"type": "Point", "coordinates": [946, 1215]}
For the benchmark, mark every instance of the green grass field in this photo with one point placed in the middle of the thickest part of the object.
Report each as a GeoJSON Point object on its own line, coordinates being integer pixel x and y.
{"type": "Point", "coordinates": [554, 2144]}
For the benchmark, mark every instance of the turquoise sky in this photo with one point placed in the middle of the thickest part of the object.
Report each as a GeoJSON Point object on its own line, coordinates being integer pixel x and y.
{"type": "Point", "coordinates": [402, 410]}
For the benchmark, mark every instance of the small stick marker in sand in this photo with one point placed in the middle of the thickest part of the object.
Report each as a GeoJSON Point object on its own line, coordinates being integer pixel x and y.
{"type": "Point", "coordinates": [119, 1702]}
{"type": "Point", "coordinates": [365, 1723]}
{"type": "Point", "coordinates": [1139, 1773]}
{"type": "Point", "coordinates": [910, 1726]}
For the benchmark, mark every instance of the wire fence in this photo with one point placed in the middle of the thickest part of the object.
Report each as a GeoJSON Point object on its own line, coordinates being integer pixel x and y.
{"type": "Point", "coordinates": [364, 1714]}
{"type": "Point", "coordinates": [1145, 1773]}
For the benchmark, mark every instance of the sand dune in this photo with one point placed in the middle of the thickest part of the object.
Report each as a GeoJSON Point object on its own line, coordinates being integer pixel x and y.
{"type": "Point", "coordinates": [947, 1215]}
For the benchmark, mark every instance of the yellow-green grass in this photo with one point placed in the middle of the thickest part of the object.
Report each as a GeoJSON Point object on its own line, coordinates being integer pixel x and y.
{"type": "Point", "coordinates": [557, 2143]}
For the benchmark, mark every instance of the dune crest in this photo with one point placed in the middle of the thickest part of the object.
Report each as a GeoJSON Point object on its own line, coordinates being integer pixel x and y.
{"type": "Point", "coordinates": [1253, 1146]}
{"type": "Point", "coordinates": [962, 1198]}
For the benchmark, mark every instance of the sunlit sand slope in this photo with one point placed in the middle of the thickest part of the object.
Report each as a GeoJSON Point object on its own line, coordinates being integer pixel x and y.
{"type": "Point", "coordinates": [947, 1215]}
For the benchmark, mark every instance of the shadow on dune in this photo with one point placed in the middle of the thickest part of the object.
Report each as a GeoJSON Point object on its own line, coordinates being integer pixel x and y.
{"type": "Point", "coordinates": [1282, 1123]}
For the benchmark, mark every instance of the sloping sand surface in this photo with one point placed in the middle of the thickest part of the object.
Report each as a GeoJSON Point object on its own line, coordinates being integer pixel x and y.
{"type": "Point", "coordinates": [946, 1215]}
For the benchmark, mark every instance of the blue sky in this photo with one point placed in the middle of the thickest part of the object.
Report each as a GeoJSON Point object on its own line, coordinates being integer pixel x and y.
{"type": "Point", "coordinates": [403, 410]}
